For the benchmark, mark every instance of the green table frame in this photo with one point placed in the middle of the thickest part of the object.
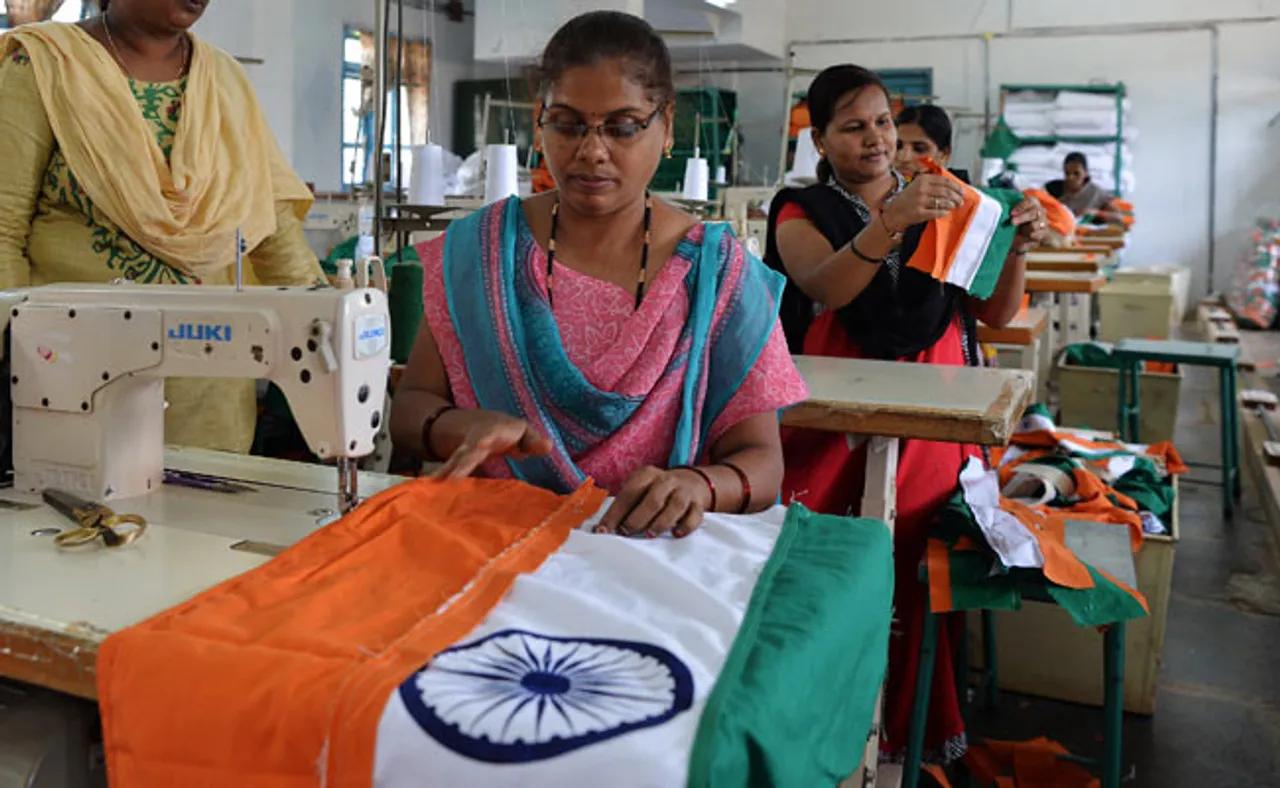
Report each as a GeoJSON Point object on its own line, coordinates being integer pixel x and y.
{"type": "Point", "coordinates": [1113, 648]}
{"type": "Point", "coordinates": [1129, 355]}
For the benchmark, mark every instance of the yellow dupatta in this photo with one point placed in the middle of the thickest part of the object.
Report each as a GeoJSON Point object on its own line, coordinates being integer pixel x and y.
{"type": "Point", "coordinates": [226, 171]}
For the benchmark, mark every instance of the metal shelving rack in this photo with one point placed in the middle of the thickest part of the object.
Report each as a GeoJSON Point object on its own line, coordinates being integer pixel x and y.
{"type": "Point", "coordinates": [1117, 90]}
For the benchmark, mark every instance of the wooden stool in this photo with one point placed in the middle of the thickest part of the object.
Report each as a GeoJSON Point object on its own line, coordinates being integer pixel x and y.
{"type": "Point", "coordinates": [1129, 355]}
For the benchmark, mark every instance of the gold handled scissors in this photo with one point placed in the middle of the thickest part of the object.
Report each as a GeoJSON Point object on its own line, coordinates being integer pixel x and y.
{"type": "Point", "coordinates": [94, 521]}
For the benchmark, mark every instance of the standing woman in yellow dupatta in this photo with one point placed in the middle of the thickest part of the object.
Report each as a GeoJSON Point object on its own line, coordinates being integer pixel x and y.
{"type": "Point", "coordinates": [133, 150]}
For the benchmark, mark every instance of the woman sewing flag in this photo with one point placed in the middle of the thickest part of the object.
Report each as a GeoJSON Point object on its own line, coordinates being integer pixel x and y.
{"type": "Point", "coordinates": [133, 150]}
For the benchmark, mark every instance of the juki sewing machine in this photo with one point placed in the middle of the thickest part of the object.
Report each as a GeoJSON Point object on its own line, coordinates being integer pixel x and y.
{"type": "Point", "coordinates": [88, 364]}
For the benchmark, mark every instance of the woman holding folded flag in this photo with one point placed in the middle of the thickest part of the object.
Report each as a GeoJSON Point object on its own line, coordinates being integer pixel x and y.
{"type": "Point", "coordinates": [845, 245]}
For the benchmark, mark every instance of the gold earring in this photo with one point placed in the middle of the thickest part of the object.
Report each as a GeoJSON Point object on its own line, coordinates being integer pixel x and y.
{"type": "Point", "coordinates": [667, 151]}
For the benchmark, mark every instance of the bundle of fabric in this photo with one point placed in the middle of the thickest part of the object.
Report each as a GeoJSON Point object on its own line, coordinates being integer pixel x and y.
{"type": "Point", "coordinates": [1254, 296]}
{"type": "Point", "coordinates": [1078, 472]}
{"type": "Point", "coordinates": [476, 633]}
{"type": "Point", "coordinates": [968, 247]}
{"type": "Point", "coordinates": [986, 549]}
{"type": "Point", "coordinates": [1040, 163]}
{"type": "Point", "coordinates": [1006, 529]}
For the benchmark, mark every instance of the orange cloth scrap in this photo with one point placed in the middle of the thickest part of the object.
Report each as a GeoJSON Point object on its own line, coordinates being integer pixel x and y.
{"type": "Point", "coordinates": [1029, 764]}
{"type": "Point", "coordinates": [316, 640]}
{"type": "Point", "coordinates": [1060, 218]}
{"type": "Point", "coordinates": [799, 120]}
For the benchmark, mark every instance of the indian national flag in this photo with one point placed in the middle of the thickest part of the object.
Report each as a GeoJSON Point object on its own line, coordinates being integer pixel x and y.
{"type": "Point", "coordinates": [477, 634]}
{"type": "Point", "coordinates": [967, 248]}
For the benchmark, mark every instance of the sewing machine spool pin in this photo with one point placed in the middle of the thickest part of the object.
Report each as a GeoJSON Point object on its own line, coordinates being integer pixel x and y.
{"type": "Point", "coordinates": [239, 261]}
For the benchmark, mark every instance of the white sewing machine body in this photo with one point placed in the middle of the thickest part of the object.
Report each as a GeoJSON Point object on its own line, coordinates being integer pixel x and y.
{"type": "Point", "coordinates": [88, 363]}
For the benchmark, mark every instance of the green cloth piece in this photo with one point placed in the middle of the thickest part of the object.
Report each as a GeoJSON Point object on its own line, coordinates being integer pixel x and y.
{"type": "Point", "coordinates": [1090, 354]}
{"type": "Point", "coordinates": [347, 251]}
{"type": "Point", "coordinates": [1151, 492]}
{"type": "Point", "coordinates": [794, 701]}
{"type": "Point", "coordinates": [984, 283]}
{"type": "Point", "coordinates": [406, 307]}
{"type": "Point", "coordinates": [1038, 409]}
{"type": "Point", "coordinates": [979, 581]}
{"type": "Point", "coordinates": [1001, 143]}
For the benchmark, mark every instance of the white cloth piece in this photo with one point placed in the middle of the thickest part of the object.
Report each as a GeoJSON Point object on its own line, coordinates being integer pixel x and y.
{"type": "Point", "coordinates": [1152, 524]}
{"type": "Point", "coordinates": [629, 635]}
{"type": "Point", "coordinates": [1007, 536]}
{"type": "Point", "coordinates": [1074, 99]}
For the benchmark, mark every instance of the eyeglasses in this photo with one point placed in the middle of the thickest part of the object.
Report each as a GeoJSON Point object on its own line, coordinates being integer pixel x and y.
{"type": "Point", "coordinates": [622, 130]}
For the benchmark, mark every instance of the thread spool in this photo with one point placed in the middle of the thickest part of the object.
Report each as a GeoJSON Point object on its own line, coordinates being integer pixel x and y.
{"type": "Point", "coordinates": [697, 174]}
{"type": "Point", "coordinates": [405, 304]}
{"type": "Point", "coordinates": [426, 179]}
{"type": "Point", "coordinates": [501, 176]}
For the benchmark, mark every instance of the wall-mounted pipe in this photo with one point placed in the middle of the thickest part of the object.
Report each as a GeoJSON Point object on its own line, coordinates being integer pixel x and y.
{"type": "Point", "coordinates": [1214, 37]}
{"type": "Point", "coordinates": [1062, 31]}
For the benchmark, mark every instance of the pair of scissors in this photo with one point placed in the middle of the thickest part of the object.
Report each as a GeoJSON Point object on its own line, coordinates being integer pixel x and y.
{"type": "Point", "coordinates": [94, 521]}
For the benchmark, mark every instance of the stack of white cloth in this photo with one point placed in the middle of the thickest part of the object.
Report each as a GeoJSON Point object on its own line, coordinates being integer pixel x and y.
{"type": "Point", "coordinates": [1066, 114]}
{"type": "Point", "coordinates": [1039, 164]}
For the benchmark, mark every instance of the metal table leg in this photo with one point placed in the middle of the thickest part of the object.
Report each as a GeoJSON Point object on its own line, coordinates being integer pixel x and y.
{"type": "Point", "coordinates": [1113, 665]}
{"type": "Point", "coordinates": [920, 706]}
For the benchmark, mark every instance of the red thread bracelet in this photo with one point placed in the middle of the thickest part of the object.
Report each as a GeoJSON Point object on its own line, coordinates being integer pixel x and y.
{"type": "Point", "coordinates": [706, 478]}
{"type": "Point", "coordinates": [746, 485]}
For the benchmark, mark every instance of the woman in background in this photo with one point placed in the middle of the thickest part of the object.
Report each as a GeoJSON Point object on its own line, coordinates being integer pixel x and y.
{"type": "Point", "coordinates": [924, 132]}
{"type": "Point", "coordinates": [843, 244]}
{"type": "Point", "coordinates": [594, 331]}
{"type": "Point", "coordinates": [1077, 191]}
{"type": "Point", "coordinates": [133, 150]}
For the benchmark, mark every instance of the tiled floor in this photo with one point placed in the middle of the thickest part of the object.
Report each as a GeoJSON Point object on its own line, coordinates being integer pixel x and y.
{"type": "Point", "coordinates": [1217, 722]}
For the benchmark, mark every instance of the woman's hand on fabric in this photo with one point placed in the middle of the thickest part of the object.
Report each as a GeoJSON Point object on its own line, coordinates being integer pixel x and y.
{"type": "Point", "coordinates": [653, 502]}
{"type": "Point", "coordinates": [1031, 220]}
{"type": "Point", "coordinates": [490, 435]}
{"type": "Point", "coordinates": [927, 197]}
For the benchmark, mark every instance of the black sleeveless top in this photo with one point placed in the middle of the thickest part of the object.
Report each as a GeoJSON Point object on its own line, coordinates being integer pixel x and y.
{"type": "Point", "coordinates": [900, 313]}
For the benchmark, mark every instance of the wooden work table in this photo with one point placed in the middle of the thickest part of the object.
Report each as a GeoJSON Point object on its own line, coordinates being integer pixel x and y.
{"type": "Point", "coordinates": [1064, 282]}
{"type": "Point", "coordinates": [926, 401]}
{"type": "Point", "coordinates": [56, 608]}
{"type": "Point", "coordinates": [1026, 343]}
{"type": "Point", "coordinates": [1071, 292]}
{"type": "Point", "coordinates": [1084, 262]}
{"type": "Point", "coordinates": [1027, 326]}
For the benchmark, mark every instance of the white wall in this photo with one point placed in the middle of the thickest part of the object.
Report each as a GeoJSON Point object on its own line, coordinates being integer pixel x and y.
{"type": "Point", "coordinates": [252, 29]}
{"type": "Point", "coordinates": [299, 84]}
{"type": "Point", "coordinates": [1167, 74]}
{"type": "Point", "coordinates": [317, 79]}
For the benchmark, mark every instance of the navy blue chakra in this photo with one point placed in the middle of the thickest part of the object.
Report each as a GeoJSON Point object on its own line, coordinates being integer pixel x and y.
{"type": "Point", "coordinates": [516, 697]}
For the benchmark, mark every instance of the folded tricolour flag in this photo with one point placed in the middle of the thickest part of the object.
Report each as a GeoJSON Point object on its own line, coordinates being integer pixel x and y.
{"type": "Point", "coordinates": [968, 247]}
{"type": "Point", "coordinates": [475, 634]}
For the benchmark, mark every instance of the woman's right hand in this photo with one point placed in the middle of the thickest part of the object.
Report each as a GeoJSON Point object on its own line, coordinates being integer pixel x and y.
{"type": "Point", "coordinates": [927, 197]}
{"type": "Point", "coordinates": [488, 435]}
